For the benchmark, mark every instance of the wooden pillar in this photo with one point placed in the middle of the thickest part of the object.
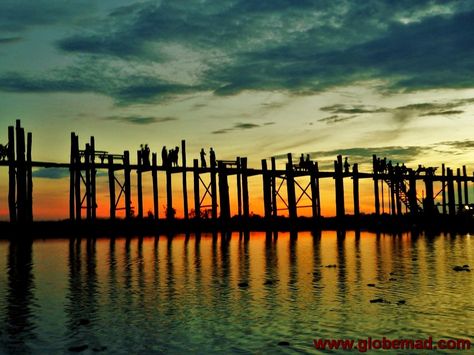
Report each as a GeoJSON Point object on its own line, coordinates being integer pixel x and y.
{"type": "Point", "coordinates": [376, 185]}
{"type": "Point", "coordinates": [245, 188]}
{"type": "Point", "coordinates": [154, 178]}
{"type": "Point", "coordinates": [459, 183]}
{"type": "Point", "coordinates": [139, 184]}
{"type": "Point", "coordinates": [71, 177]}
{"type": "Point", "coordinates": [398, 183]}
{"type": "Point", "coordinates": [93, 179]}
{"type": "Point", "coordinates": [11, 174]}
{"type": "Point", "coordinates": [443, 188]}
{"type": "Point", "coordinates": [88, 181]}
{"type": "Point", "coordinates": [20, 173]}
{"type": "Point", "coordinates": [239, 188]}
{"type": "Point", "coordinates": [267, 203]}
{"type": "Point", "coordinates": [197, 196]}
{"type": "Point", "coordinates": [355, 188]}
{"type": "Point", "coordinates": [213, 192]}
{"type": "Point", "coordinates": [451, 199]}
{"type": "Point", "coordinates": [127, 187]}
{"type": "Point", "coordinates": [429, 198]}
{"type": "Point", "coordinates": [185, 180]}
{"type": "Point", "coordinates": [466, 191]}
{"type": "Point", "coordinates": [274, 189]}
{"type": "Point", "coordinates": [412, 194]}
{"type": "Point", "coordinates": [339, 185]}
{"type": "Point", "coordinates": [318, 196]}
{"type": "Point", "coordinates": [77, 179]}
{"type": "Point", "coordinates": [29, 178]}
{"type": "Point", "coordinates": [290, 187]}
{"type": "Point", "coordinates": [110, 161]}
{"type": "Point", "coordinates": [393, 193]}
{"type": "Point", "coordinates": [169, 193]}
{"type": "Point", "coordinates": [223, 192]}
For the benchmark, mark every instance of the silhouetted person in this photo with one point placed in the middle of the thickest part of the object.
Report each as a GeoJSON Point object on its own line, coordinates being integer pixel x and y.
{"type": "Point", "coordinates": [346, 166]}
{"type": "Point", "coordinates": [164, 156]}
{"type": "Point", "coordinates": [301, 163]}
{"type": "Point", "coordinates": [212, 158]}
{"type": "Point", "coordinates": [169, 160]}
{"type": "Point", "coordinates": [146, 155]}
{"type": "Point", "coordinates": [308, 162]}
{"type": "Point", "coordinates": [3, 151]}
{"type": "Point", "coordinates": [176, 156]}
{"type": "Point", "coordinates": [203, 158]}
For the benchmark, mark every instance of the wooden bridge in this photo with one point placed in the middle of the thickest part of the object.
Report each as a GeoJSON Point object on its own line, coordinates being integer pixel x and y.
{"type": "Point", "coordinates": [84, 164]}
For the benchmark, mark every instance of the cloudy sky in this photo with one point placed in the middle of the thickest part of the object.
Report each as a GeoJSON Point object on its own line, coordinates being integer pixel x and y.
{"type": "Point", "coordinates": [250, 78]}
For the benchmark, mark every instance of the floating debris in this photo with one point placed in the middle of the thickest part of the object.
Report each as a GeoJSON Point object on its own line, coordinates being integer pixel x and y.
{"type": "Point", "coordinates": [371, 285]}
{"type": "Point", "coordinates": [79, 348]}
{"type": "Point", "coordinates": [243, 284]}
{"type": "Point", "coordinates": [331, 265]}
{"type": "Point", "coordinates": [392, 279]}
{"type": "Point", "coordinates": [401, 302]}
{"type": "Point", "coordinates": [84, 321]}
{"type": "Point", "coordinates": [284, 343]}
{"type": "Point", "coordinates": [461, 268]}
{"type": "Point", "coordinates": [270, 282]}
{"type": "Point", "coordinates": [379, 300]}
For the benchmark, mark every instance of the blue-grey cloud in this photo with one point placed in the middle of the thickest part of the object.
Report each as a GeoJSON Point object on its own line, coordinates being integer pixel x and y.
{"type": "Point", "coordinates": [51, 173]}
{"type": "Point", "coordinates": [18, 15]}
{"type": "Point", "coordinates": [239, 126]}
{"type": "Point", "coordinates": [235, 45]}
{"type": "Point", "coordinates": [141, 120]}
{"type": "Point", "coordinates": [9, 40]}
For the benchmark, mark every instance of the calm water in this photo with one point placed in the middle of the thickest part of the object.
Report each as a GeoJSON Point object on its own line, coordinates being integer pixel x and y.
{"type": "Point", "coordinates": [180, 295]}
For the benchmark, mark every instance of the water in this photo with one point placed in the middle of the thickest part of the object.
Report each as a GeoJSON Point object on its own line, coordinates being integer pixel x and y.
{"type": "Point", "coordinates": [162, 295]}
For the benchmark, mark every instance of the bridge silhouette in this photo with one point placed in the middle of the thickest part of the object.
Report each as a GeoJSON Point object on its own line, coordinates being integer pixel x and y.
{"type": "Point", "coordinates": [84, 164]}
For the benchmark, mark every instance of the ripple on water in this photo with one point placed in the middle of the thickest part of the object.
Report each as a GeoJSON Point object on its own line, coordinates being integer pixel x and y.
{"type": "Point", "coordinates": [172, 296]}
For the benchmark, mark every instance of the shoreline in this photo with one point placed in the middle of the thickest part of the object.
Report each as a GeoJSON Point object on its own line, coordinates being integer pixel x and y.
{"type": "Point", "coordinates": [142, 227]}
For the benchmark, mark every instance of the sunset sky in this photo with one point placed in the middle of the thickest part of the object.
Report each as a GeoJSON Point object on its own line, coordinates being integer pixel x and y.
{"type": "Point", "coordinates": [249, 78]}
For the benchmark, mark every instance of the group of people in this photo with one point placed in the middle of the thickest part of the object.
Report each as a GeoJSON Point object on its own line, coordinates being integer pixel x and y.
{"type": "Point", "coordinates": [145, 154]}
{"type": "Point", "coordinates": [305, 163]}
{"type": "Point", "coordinates": [382, 166]}
{"type": "Point", "coordinates": [170, 158]}
{"type": "Point", "coordinates": [212, 158]}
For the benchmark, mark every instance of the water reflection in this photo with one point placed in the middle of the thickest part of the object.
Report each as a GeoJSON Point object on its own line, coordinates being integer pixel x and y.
{"type": "Point", "coordinates": [230, 292]}
{"type": "Point", "coordinates": [19, 317]}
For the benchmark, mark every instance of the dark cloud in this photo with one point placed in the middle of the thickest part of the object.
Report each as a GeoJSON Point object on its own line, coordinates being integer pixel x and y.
{"type": "Point", "coordinates": [336, 119]}
{"type": "Point", "coordinates": [51, 173]}
{"type": "Point", "coordinates": [245, 125]}
{"type": "Point", "coordinates": [443, 113]}
{"type": "Point", "coordinates": [431, 53]}
{"type": "Point", "coordinates": [18, 15]}
{"type": "Point", "coordinates": [141, 120]}
{"type": "Point", "coordinates": [401, 114]}
{"type": "Point", "coordinates": [8, 40]}
{"type": "Point", "coordinates": [394, 153]}
{"type": "Point", "coordinates": [352, 109]}
{"type": "Point", "coordinates": [221, 131]}
{"type": "Point", "coordinates": [237, 126]}
{"type": "Point", "coordinates": [460, 145]}
{"type": "Point", "coordinates": [363, 156]}
{"type": "Point", "coordinates": [100, 79]}
{"type": "Point", "coordinates": [235, 45]}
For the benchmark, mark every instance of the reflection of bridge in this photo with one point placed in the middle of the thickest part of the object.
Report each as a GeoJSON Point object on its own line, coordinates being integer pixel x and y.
{"type": "Point", "coordinates": [401, 185]}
